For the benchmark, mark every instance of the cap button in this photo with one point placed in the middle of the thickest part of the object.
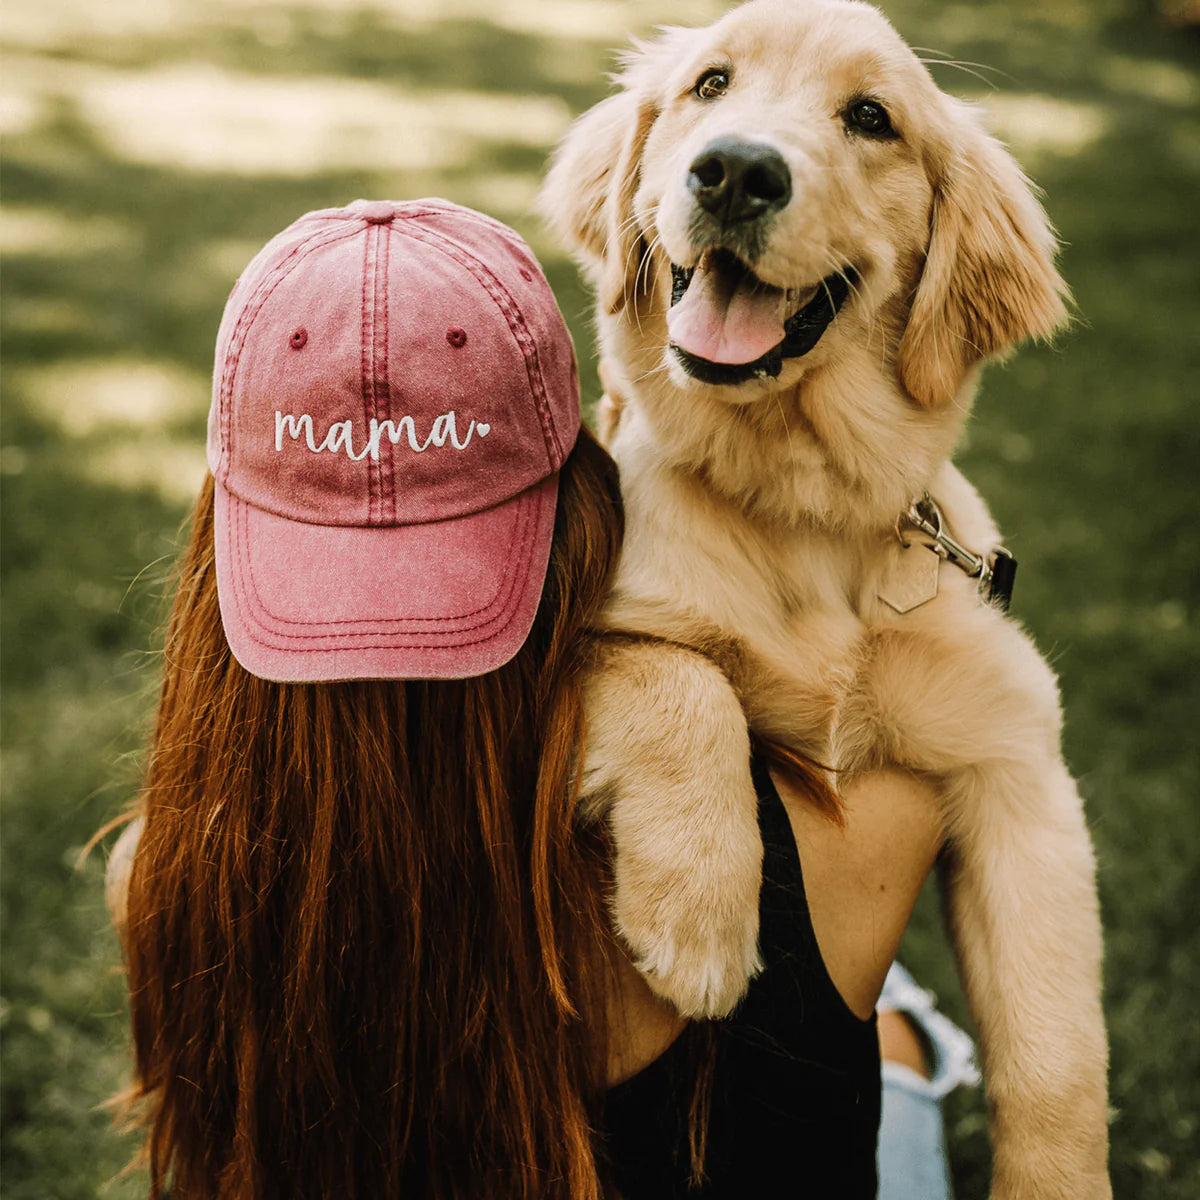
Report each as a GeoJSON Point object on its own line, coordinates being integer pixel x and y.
{"type": "Point", "coordinates": [378, 212]}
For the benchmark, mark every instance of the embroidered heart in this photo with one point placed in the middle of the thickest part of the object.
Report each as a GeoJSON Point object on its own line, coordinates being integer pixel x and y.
{"type": "Point", "coordinates": [482, 428]}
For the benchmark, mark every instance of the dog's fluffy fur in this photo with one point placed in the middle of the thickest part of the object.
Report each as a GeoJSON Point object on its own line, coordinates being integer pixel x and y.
{"type": "Point", "coordinates": [762, 520]}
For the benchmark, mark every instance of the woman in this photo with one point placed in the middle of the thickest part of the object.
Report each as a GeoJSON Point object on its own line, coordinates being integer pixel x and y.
{"type": "Point", "coordinates": [366, 939]}
{"type": "Point", "coordinates": [365, 946]}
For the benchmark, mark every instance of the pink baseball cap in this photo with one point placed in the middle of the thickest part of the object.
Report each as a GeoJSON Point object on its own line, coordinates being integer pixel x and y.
{"type": "Point", "coordinates": [395, 392]}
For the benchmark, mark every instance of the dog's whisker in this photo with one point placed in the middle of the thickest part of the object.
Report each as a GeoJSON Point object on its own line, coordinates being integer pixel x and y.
{"type": "Point", "coordinates": [946, 59]}
{"type": "Point", "coordinates": [645, 264]}
{"type": "Point", "coordinates": [857, 292]}
{"type": "Point", "coordinates": [966, 71]}
{"type": "Point", "coordinates": [787, 429]}
{"type": "Point", "coordinates": [632, 219]}
{"type": "Point", "coordinates": [625, 265]}
{"type": "Point", "coordinates": [966, 62]}
{"type": "Point", "coordinates": [840, 272]}
{"type": "Point", "coordinates": [619, 231]}
{"type": "Point", "coordinates": [835, 268]}
{"type": "Point", "coordinates": [637, 277]}
{"type": "Point", "coordinates": [661, 369]}
{"type": "Point", "coordinates": [635, 220]}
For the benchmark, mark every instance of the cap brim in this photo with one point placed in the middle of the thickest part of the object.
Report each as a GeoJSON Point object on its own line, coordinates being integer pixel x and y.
{"type": "Point", "coordinates": [443, 600]}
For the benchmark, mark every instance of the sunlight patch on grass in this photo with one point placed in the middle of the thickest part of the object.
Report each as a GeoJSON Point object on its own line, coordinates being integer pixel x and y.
{"type": "Point", "coordinates": [46, 316]}
{"type": "Point", "coordinates": [52, 22]}
{"type": "Point", "coordinates": [120, 421]}
{"type": "Point", "coordinates": [19, 111]}
{"type": "Point", "coordinates": [506, 194]}
{"type": "Point", "coordinates": [49, 22]}
{"type": "Point", "coordinates": [85, 396]}
{"type": "Point", "coordinates": [1184, 141]}
{"type": "Point", "coordinates": [598, 20]}
{"type": "Point", "coordinates": [959, 24]}
{"type": "Point", "coordinates": [1158, 619]}
{"type": "Point", "coordinates": [1161, 81]}
{"type": "Point", "coordinates": [44, 231]}
{"type": "Point", "coordinates": [169, 466]}
{"type": "Point", "coordinates": [1034, 124]}
{"type": "Point", "coordinates": [206, 118]}
{"type": "Point", "coordinates": [224, 259]}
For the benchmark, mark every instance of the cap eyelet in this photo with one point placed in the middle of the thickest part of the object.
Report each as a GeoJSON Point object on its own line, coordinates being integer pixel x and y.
{"type": "Point", "coordinates": [526, 275]}
{"type": "Point", "coordinates": [299, 338]}
{"type": "Point", "coordinates": [456, 337]}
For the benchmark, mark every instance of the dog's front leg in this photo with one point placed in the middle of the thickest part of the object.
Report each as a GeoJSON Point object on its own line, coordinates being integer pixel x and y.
{"type": "Point", "coordinates": [980, 711]}
{"type": "Point", "coordinates": [1022, 908]}
{"type": "Point", "coordinates": [667, 762]}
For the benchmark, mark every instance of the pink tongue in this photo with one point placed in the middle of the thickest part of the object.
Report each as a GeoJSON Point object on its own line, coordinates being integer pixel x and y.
{"type": "Point", "coordinates": [725, 322]}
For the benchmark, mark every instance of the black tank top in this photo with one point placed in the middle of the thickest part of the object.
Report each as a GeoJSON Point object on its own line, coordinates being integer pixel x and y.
{"type": "Point", "coordinates": [795, 1086]}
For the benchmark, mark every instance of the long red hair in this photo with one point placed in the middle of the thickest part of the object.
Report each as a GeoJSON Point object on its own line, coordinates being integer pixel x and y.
{"type": "Point", "coordinates": [366, 937]}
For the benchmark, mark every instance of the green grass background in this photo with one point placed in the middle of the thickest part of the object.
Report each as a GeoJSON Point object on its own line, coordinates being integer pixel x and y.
{"type": "Point", "coordinates": [149, 150]}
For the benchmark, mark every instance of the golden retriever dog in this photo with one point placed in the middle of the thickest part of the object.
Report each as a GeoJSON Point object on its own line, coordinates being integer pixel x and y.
{"type": "Point", "coordinates": [802, 252]}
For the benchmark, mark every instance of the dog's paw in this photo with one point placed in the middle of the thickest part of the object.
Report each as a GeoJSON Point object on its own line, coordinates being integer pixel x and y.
{"type": "Point", "coordinates": [697, 951]}
{"type": "Point", "coordinates": [701, 983]}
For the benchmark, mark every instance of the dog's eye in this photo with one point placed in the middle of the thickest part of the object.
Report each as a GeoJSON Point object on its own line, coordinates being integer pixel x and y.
{"type": "Point", "coordinates": [712, 83]}
{"type": "Point", "coordinates": [868, 116]}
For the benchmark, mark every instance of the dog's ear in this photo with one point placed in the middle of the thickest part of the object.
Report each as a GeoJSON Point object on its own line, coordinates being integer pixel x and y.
{"type": "Point", "coordinates": [575, 192]}
{"type": "Point", "coordinates": [989, 279]}
{"type": "Point", "coordinates": [588, 194]}
{"type": "Point", "coordinates": [594, 176]}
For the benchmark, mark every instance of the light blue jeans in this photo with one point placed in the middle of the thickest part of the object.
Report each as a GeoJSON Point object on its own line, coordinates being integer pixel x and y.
{"type": "Point", "coordinates": [912, 1145]}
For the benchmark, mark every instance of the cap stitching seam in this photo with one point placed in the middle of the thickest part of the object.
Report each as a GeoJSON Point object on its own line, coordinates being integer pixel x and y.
{"type": "Point", "coordinates": [405, 645]}
{"type": "Point", "coordinates": [265, 504]}
{"type": "Point", "coordinates": [383, 385]}
{"type": "Point", "coordinates": [241, 329]}
{"type": "Point", "coordinates": [366, 365]}
{"type": "Point", "coordinates": [458, 212]}
{"type": "Point", "coordinates": [511, 312]}
{"type": "Point", "coordinates": [247, 572]}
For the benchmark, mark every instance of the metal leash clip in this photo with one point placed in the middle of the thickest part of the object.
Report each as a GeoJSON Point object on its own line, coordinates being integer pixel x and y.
{"type": "Point", "coordinates": [996, 576]}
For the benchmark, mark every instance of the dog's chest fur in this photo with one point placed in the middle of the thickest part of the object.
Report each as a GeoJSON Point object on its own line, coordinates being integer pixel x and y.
{"type": "Point", "coordinates": [787, 608]}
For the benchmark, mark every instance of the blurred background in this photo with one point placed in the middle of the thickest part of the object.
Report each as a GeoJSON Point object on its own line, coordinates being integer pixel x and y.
{"type": "Point", "coordinates": [151, 146]}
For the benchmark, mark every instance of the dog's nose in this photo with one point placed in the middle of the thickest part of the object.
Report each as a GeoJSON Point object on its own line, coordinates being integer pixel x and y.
{"type": "Point", "coordinates": [739, 181]}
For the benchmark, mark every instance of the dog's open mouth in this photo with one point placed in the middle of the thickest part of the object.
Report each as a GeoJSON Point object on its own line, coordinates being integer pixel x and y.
{"type": "Point", "coordinates": [727, 326]}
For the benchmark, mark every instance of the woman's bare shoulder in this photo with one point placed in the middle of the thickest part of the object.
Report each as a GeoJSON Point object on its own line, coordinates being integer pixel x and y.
{"type": "Point", "coordinates": [862, 877]}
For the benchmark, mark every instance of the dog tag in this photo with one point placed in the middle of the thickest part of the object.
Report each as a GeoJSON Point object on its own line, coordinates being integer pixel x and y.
{"type": "Point", "coordinates": [912, 579]}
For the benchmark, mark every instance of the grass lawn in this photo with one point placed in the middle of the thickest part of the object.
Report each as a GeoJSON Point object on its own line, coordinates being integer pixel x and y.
{"type": "Point", "coordinates": [149, 150]}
